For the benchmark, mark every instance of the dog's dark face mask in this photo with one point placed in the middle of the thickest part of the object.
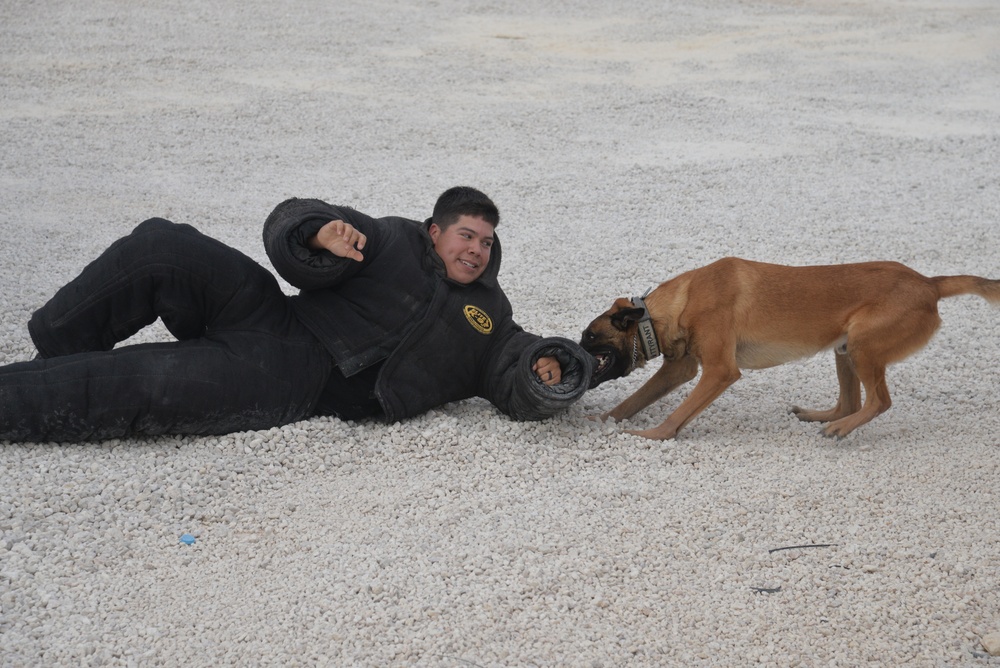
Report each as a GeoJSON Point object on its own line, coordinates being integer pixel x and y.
{"type": "Point", "coordinates": [609, 340]}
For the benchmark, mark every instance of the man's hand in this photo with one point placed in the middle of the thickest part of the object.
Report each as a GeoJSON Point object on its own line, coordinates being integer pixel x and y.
{"type": "Point", "coordinates": [341, 239]}
{"type": "Point", "coordinates": [548, 370]}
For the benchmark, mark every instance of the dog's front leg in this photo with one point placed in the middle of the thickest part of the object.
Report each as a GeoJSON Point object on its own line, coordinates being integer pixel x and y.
{"type": "Point", "coordinates": [668, 377]}
{"type": "Point", "coordinates": [714, 381]}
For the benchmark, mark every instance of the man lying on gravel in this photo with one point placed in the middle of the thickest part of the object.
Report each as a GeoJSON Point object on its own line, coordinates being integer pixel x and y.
{"type": "Point", "coordinates": [393, 318]}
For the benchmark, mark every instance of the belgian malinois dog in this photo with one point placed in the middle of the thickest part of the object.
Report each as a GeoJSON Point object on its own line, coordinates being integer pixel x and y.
{"type": "Point", "coordinates": [737, 314]}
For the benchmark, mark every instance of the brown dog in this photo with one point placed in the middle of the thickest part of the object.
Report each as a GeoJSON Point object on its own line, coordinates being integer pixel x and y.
{"type": "Point", "coordinates": [736, 314]}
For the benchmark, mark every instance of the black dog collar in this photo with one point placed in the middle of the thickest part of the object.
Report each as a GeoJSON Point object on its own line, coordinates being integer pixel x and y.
{"type": "Point", "coordinates": [647, 335]}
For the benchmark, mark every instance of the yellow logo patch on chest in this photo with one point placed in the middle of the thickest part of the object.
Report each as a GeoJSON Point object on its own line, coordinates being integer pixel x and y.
{"type": "Point", "coordinates": [478, 318]}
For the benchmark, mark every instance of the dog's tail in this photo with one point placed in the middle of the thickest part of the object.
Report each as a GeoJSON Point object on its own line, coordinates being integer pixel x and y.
{"type": "Point", "coordinates": [951, 286]}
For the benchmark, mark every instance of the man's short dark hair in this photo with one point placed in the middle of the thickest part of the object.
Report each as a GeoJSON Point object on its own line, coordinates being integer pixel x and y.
{"type": "Point", "coordinates": [464, 201]}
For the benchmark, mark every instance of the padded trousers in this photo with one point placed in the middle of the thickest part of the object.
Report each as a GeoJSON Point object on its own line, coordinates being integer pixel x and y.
{"type": "Point", "coordinates": [241, 361]}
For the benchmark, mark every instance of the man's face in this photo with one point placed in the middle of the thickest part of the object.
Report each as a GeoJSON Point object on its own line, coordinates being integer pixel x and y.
{"type": "Point", "coordinates": [465, 247]}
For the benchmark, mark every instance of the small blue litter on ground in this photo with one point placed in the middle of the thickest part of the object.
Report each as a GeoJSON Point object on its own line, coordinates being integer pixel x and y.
{"type": "Point", "coordinates": [187, 539]}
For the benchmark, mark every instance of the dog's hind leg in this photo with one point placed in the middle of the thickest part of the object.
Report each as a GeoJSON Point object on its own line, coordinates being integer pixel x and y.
{"type": "Point", "coordinates": [667, 378]}
{"type": "Point", "coordinates": [880, 343]}
{"type": "Point", "coordinates": [877, 401]}
{"type": "Point", "coordinates": [849, 401]}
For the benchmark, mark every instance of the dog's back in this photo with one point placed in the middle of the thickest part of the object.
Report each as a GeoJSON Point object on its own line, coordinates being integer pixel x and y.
{"type": "Point", "coordinates": [776, 314]}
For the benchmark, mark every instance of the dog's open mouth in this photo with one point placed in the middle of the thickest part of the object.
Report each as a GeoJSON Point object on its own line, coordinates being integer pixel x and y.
{"type": "Point", "coordinates": [608, 365]}
{"type": "Point", "coordinates": [603, 362]}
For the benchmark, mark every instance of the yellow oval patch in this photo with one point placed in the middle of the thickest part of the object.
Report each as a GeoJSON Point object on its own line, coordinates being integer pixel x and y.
{"type": "Point", "coordinates": [478, 319]}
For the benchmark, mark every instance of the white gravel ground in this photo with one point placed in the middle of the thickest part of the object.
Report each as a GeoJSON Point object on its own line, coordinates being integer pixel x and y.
{"type": "Point", "coordinates": [623, 145]}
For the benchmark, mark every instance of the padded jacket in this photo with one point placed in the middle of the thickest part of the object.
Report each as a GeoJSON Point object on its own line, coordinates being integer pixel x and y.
{"type": "Point", "coordinates": [438, 340]}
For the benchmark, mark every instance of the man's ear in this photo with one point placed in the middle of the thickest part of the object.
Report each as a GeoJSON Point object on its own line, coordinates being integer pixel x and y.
{"type": "Point", "coordinates": [435, 231]}
{"type": "Point", "coordinates": [625, 317]}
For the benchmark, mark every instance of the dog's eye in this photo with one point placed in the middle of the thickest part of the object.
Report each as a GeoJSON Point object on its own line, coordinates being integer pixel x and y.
{"type": "Point", "coordinates": [589, 336]}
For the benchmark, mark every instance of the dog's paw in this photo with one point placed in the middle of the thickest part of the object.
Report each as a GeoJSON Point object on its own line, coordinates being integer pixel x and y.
{"type": "Point", "coordinates": [653, 434]}
{"type": "Point", "coordinates": [834, 431]}
{"type": "Point", "coordinates": [807, 415]}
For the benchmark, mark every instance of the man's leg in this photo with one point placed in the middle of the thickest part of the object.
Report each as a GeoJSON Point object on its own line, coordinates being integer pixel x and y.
{"type": "Point", "coordinates": [235, 382]}
{"type": "Point", "coordinates": [162, 269]}
{"type": "Point", "coordinates": [243, 362]}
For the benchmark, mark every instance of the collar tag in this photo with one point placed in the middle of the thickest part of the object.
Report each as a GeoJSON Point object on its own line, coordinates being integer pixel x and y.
{"type": "Point", "coordinates": [647, 335]}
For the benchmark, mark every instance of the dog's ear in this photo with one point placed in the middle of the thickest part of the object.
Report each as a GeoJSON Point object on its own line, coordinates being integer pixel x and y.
{"type": "Point", "coordinates": [625, 317]}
